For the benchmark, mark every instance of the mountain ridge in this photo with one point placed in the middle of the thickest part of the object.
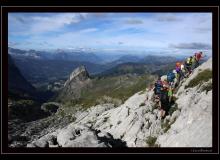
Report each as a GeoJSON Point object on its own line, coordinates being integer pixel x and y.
{"type": "Point", "coordinates": [136, 122]}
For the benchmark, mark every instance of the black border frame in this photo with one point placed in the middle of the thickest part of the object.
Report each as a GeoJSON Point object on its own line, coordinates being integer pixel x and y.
{"type": "Point", "coordinates": [215, 51]}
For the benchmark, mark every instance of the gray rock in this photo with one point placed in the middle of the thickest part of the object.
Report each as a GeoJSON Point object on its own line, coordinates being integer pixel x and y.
{"type": "Point", "coordinates": [79, 73]}
{"type": "Point", "coordinates": [30, 145]}
{"type": "Point", "coordinates": [41, 143]}
{"type": "Point", "coordinates": [77, 80]}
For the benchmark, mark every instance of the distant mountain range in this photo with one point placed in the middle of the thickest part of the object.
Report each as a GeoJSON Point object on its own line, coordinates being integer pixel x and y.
{"type": "Point", "coordinates": [85, 56]}
{"type": "Point", "coordinates": [43, 67]}
{"type": "Point", "coordinates": [58, 54]}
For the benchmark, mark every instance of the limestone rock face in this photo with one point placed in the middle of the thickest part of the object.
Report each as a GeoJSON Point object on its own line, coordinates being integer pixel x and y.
{"type": "Point", "coordinates": [77, 80]}
{"type": "Point", "coordinates": [79, 74]}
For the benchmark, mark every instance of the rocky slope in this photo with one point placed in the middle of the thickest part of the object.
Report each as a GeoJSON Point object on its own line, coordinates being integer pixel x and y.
{"type": "Point", "coordinates": [193, 127]}
{"type": "Point", "coordinates": [137, 123]}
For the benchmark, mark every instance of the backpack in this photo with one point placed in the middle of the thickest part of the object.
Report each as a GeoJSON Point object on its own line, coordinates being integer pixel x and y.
{"type": "Point", "coordinates": [193, 59]}
{"type": "Point", "coordinates": [170, 76]}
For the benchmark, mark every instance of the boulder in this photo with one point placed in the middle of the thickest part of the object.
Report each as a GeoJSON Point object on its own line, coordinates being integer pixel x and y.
{"type": "Point", "coordinates": [42, 143]}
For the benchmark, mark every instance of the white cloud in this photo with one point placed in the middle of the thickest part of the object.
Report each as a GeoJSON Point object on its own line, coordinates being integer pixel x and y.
{"type": "Point", "coordinates": [194, 45]}
{"type": "Point", "coordinates": [134, 21]}
{"type": "Point", "coordinates": [167, 17]}
{"type": "Point", "coordinates": [32, 25]}
{"type": "Point", "coordinates": [53, 23]}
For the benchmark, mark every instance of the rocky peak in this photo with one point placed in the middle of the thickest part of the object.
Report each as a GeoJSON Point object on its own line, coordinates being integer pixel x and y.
{"type": "Point", "coordinates": [79, 74]}
{"type": "Point", "coordinates": [77, 80]}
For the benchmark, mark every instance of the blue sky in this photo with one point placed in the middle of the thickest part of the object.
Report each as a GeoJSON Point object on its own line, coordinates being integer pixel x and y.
{"type": "Point", "coordinates": [128, 32]}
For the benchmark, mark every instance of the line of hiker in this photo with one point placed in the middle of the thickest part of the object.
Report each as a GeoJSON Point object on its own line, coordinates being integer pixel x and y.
{"type": "Point", "coordinates": [165, 85]}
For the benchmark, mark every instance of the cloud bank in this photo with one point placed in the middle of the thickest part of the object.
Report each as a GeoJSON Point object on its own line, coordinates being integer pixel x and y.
{"type": "Point", "coordinates": [191, 46]}
{"type": "Point", "coordinates": [111, 31]}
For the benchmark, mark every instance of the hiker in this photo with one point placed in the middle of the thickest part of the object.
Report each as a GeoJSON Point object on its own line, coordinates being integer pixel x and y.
{"type": "Point", "coordinates": [162, 113]}
{"type": "Point", "coordinates": [158, 86]}
{"type": "Point", "coordinates": [175, 79]}
{"type": "Point", "coordinates": [198, 56]}
{"type": "Point", "coordinates": [170, 78]}
{"type": "Point", "coordinates": [170, 93]}
{"type": "Point", "coordinates": [183, 70]}
{"type": "Point", "coordinates": [165, 85]}
{"type": "Point", "coordinates": [164, 102]}
{"type": "Point", "coordinates": [188, 64]}
{"type": "Point", "coordinates": [157, 100]}
{"type": "Point", "coordinates": [194, 62]}
{"type": "Point", "coordinates": [179, 72]}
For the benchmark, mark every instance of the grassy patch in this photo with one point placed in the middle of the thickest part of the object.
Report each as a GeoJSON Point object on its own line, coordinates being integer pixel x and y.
{"type": "Point", "coordinates": [24, 102]}
{"type": "Point", "coordinates": [203, 76]}
{"type": "Point", "coordinates": [61, 113]}
{"type": "Point", "coordinates": [207, 87]}
{"type": "Point", "coordinates": [151, 141]}
{"type": "Point", "coordinates": [26, 110]}
{"type": "Point", "coordinates": [117, 89]}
